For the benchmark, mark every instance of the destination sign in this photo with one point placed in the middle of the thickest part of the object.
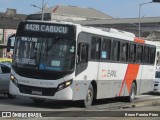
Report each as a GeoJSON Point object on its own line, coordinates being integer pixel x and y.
{"type": "Point", "coordinates": [46, 28]}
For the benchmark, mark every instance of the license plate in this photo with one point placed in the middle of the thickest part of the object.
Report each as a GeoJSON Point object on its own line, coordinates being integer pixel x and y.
{"type": "Point", "coordinates": [36, 92]}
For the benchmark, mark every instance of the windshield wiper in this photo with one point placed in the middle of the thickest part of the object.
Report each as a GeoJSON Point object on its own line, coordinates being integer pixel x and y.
{"type": "Point", "coordinates": [53, 43]}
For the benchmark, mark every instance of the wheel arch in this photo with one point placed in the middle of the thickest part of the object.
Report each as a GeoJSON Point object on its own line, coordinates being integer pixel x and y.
{"type": "Point", "coordinates": [94, 84]}
{"type": "Point", "coordinates": [135, 82]}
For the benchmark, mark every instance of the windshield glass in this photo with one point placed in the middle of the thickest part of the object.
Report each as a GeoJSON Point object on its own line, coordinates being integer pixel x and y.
{"type": "Point", "coordinates": [51, 54]}
{"type": "Point", "coordinates": [157, 74]}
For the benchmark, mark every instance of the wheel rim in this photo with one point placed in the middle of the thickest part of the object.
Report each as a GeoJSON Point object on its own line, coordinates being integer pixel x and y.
{"type": "Point", "coordinates": [89, 96]}
{"type": "Point", "coordinates": [132, 94]}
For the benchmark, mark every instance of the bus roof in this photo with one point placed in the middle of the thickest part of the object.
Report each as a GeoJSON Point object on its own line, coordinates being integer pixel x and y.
{"type": "Point", "coordinates": [111, 32]}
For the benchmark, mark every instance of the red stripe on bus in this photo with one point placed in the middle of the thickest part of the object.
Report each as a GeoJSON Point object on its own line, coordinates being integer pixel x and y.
{"type": "Point", "coordinates": [131, 74]}
{"type": "Point", "coordinates": [138, 40]}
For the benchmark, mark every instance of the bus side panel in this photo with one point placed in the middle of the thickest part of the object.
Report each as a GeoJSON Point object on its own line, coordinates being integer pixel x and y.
{"type": "Point", "coordinates": [110, 78]}
{"type": "Point", "coordinates": [84, 79]}
{"type": "Point", "coordinates": [79, 89]}
{"type": "Point", "coordinates": [147, 80]}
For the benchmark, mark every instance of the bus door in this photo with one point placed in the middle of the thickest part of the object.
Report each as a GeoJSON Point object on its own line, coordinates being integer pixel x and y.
{"type": "Point", "coordinates": [81, 70]}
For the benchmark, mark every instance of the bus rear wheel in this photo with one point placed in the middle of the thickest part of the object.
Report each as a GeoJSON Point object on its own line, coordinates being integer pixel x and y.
{"type": "Point", "coordinates": [89, 96]}
{"type": "Point", "coordinates": [132, 94]}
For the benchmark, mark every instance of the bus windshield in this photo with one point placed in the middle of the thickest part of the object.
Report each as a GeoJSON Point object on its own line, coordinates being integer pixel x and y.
{"type": "Point", "coordinates": [49, 54]}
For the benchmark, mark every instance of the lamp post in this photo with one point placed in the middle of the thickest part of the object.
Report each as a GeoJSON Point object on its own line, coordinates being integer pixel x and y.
{"type": "Point", "coordinates": [42, 8]}
{"type": "Point", "coordinates": [140, 5]}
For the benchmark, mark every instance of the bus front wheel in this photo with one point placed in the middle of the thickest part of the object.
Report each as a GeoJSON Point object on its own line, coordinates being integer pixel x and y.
{"type": "Point", "coordinates": [89, 96]}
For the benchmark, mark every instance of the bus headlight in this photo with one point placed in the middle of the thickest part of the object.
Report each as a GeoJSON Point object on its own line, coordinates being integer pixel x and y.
{"type": "Point", "coordinates": [14, 80]}
{"type": "Point", "coordinates": [64, 85]}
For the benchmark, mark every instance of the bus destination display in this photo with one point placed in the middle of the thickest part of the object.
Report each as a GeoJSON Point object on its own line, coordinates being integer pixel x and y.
{"type": "Point", "coordinates": [46, 28]}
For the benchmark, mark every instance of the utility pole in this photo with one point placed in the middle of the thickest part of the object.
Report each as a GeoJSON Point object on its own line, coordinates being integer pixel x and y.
{"type": "Point", "coordinates": [140, 5]}
{"type": "Point", "coordinates": [41, 8]}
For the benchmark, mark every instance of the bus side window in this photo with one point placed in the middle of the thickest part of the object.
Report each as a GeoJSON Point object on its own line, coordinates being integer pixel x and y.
{"type": "Point", "coordinates": [105, 52]}
{"type": "Point", "coordinates": [95, 48]}
{"type": "Point", "coordinates": [115, 50]}
{"type": "Point", "coordinates": [123, 52]}
{"type": "Point", "coordinates": [145, 55]}
{"type": "Point", "coordinates": [132, 52]}
{"type": "Point", "coordinates": [152, 55]}
{"type": "Point", "coordinates": [139, 53]}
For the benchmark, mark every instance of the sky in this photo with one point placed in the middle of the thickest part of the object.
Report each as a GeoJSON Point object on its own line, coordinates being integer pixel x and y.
{"type": "Point", "coordinates": [114, 8]}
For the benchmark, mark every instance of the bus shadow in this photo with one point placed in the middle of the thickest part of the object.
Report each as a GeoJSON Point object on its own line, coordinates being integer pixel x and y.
{"type": "Point", "coordinates": [152, 93]}
{"type": "Point", "coordinates": [77, 104]}
{"type": "Point", "coordinates": [53, 104]}
{"type": "Point", "coordinates": [3, 97]}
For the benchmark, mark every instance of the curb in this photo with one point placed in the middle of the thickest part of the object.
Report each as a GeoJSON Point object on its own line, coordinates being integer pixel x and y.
{"type": "Point", "coordinates": [142, 104]}
{"type": "Point", "coordinates": [148, 103]}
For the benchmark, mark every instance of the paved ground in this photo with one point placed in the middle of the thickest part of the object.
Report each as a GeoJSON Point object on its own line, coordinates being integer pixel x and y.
{"type": "Point", "coordinates": [147, 102]}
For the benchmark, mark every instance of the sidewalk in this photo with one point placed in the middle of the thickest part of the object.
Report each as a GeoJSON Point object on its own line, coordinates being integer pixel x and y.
{"type": "Point", "coordinates": [151, 99]}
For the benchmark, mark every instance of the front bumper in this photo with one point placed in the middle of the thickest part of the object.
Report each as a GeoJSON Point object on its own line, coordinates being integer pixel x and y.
{"type": "Point", "coordinates": [42, 93]}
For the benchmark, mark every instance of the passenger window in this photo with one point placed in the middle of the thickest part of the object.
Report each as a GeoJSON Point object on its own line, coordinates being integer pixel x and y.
{"type": "Point", "coordinates": [139, 53]}
{"type": "Point", "coordinates": [146, 55]}
{"type": "Point", "coordinates": [105, 52]}
{"type": "Point", "coordinates": [115, 50]}
{"type": "Point", "coordinates": [132, 53]}
{"type": "Point", "coordinates": [123, 51]}
{"type": "Point", "coordinates": [95, 48]}
{"type": "Point", "coordinates": [152, 55]}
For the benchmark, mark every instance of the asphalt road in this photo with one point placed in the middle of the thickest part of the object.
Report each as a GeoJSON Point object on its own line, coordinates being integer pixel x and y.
{"type": "Point", "coordinates": [147, 102]}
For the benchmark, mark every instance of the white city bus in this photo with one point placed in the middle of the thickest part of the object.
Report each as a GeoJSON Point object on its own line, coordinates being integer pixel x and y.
{"type": "Point", "coordinates": [66, 61]}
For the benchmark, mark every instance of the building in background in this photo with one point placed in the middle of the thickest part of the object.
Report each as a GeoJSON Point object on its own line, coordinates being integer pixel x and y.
{"type": "Point", "coordinates": [150, 26]}
{"type": "Point", "coordinates": [9, 21]}
{"type": "Point", "coordinates": [74, 13]}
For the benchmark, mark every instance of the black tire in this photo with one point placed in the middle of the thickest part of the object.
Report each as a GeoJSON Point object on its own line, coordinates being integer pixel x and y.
{"type": "Point", "coordinates": [132, 94]}
{"type": "Point", "coordinates": [11, 96]}
{"type": "Point", "coordinates": [38, 101]}
{"type": "Point", "coordinates": [89, 97]}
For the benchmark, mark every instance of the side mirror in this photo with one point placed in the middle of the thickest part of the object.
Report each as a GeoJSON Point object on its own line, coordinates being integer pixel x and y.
{"type": "Point", "coordinates": [11, 39]}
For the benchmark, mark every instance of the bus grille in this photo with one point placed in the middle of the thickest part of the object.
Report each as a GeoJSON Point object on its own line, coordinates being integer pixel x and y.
{"type": "Point", "coordinates": [44, 91]}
